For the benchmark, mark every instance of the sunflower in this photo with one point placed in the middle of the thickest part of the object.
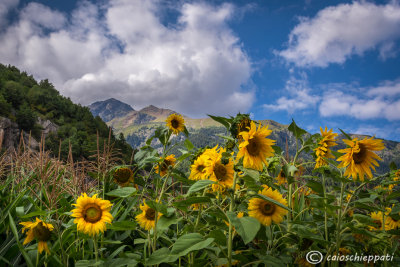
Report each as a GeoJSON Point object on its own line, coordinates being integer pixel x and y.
{"type": "Point", "coordinates": [358, 157]}
{"type": "Point", "coordinates": [176, 123]}
{"type": "Point", "coordinates": [198, 168]}
{"type": "Point", "coordinates": [255, 147]}
{"type": "Point", "coordinates": [377, 219]}
{"type": "Point", "coordinates": [91, 214]}
{"type": "Point", "coordinates": [390, 222]}
{"type": "Point", "coordinates": [38, 230]}
{"type": "Point", "coordinates": [267, 212]}
{"type": "Point", "coordinates": [147, 219]}
{"type": "Point", "coordinates": [219, 171]}
{"type": "Point", "coordinates": [323, 151]}
{"type": "Point", "coordinates": [281, 178]}
{"type": "Point", "coordinates": [164, 165]}
{"type": "Point", "coordinates": [123, 176]}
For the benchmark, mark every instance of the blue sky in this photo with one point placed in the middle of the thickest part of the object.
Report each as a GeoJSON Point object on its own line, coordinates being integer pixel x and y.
{"type": "Point", "coordinates": [322, 63]}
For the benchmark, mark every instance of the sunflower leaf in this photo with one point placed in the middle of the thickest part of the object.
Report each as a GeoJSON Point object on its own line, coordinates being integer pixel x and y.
{"type": "Point", "coordinates": [190, 242]}
{"type": "Point", "coordinates": [199, 185]}
{"type": "Point", "coordinates": [191, 200]}
{"type": "Point", "coordinates": [222, 120]}
{"type": "Point", "coordinates": [296, 130]}
{"type": "Point", "coordinates": [272, 201]}
{"type": "Point", "coordinates": [345, 134]}
{"type": "Point", "coordinates": [122, 192]}
{"type": "Point", "coordinates": [247, 227]}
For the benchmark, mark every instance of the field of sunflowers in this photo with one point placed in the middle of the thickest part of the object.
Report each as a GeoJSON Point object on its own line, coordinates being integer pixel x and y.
{"type": "Point", "coordinates": [245, 203]}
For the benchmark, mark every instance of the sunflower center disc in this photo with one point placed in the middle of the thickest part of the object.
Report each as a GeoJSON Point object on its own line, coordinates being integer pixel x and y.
{"type": "Point", "coordinates": [41, 232]}
{"type": "Point", "coordinates": [220, 172]}
{"type": "Point", "coordinates": [378, 223]}
{"type": "Point", "coordinates": [123, 175]}
{"type": "Point", "coordinates": [175, 124]}
{"type": "Point", "coordinates": [253, 147]}
{"type": "Point", "coordinates": [92, 213]}
{"type": "Point", "coordinates": [361, 155]}
{"type": "Point", "coordinates": [200, 168]}
{"type": "Point", "coordinates": [267, 208]}
{"type": "Point", "coordinates": [150, 214]}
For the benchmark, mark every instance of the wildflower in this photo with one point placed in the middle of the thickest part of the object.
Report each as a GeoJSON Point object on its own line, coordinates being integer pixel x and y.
{"type": "Point", "coordinates": [176, 123]}
{"type": "Point", "coordinates": [255, 147]}
{"type": "Point", "coordinates": [359, 158]}
{"type": "Point", "coordinates": [91, 214]}
{"type": "Point", "coordinates": [123, 176]}
{"type": "Point", "coordinates": [147, 219]}
{"type": "Point", "coordinates": [323, 151]}
{"type": "Point", "coordinates": [164, 165]}
{"type": "Point", "coordinates": [40, 231]}
{"type": "Point", "coordinates": [267, 212]}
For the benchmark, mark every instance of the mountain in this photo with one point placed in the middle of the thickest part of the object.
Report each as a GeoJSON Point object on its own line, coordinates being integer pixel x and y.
{"type": "Point", "coordinates": [30, 109]}
{"type": "Point", "coordinates": [138, 126]}
{"type": "Point", "coordinates": [110, 109]}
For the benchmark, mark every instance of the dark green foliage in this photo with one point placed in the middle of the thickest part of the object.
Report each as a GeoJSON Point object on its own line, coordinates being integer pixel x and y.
{"type": "Point", "coordinates": [23, 100]}
{"type": "Point", "coordinates": [25, 117]}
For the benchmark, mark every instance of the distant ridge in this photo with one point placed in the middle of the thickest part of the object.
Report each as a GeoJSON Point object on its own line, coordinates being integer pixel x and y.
{"type": "Point", "coordinates": [138, 126]}
{"type": "Point", "coordinates": [110, 109]}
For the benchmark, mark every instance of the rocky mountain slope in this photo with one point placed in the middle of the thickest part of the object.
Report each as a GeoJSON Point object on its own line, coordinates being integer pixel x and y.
{"type": "Point", "coordinates": [110, 109]}
{"type": "Point", "coordinates": [138, 126]}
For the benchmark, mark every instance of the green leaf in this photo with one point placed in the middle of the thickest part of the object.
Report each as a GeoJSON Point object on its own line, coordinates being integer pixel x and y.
{"type": "Point", "coordinates": [255, 175]}
{"type": "Point", "coordinates": [218, 236]}
{"type": "Point", "coordinates": [35, 213]}
{"type": "Point", "coordinates": [164, 222]}
{"type": "Point", "coordinates": [199, 185]}
{"type": "Point", "coordinates": [188, 144]}
{"type": "Point", "coordinates": [345, 134]}
{"type": "Point", "coordinates": [272, 201]}
{"type": "Point", "coordinates": [191, 200]}
{"type": "Point", "coordinates": [122, 192]}
{"type": "Point", "coordinates": [222, 120]}
{"type": "Point", "coordinates": [122, 226]}
{"type": "Point", "coordinates": [190, 242]}
{"type": "Point", "coordinates": [161, 255]}
{"type": "Point", "coordinates": [157, 206]}
{"type": "Point", "coordinates": [296, 130]}
{"type": "Point", "coordinates": [20, 211]}
{"type": "Point", "coordinates": [363, 218]}
{"type": "Point", "coordinates": [88, 263]}
{"type": "Point", "coordinates": [277, 150]}
{"type": "Point", "coordinates": [21, 248]}
{"type": "Point", "coordinates": [247, 227]}
{"type": "Point", "coordinates": [315, 186]}
{"type": "Point", "coordinates": [120, 262]}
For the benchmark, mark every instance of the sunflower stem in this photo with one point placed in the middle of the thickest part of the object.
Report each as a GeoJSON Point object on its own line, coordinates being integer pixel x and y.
{"type": "Point", "coordinates": [37, 257]}
{"type": "Point", "coordinates": [230, 234]}
{"type": "Point", "coordinates": [325, 203]}
{"type": "Point", "coordinates": [96, 249]}
{"type": "Point", "coordinates": [339, 219]}
{"type": "Point", "coordinates": [290, 207]}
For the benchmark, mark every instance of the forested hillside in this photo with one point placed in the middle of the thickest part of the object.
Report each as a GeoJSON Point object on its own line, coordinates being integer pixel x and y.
{"type": "Point", "coordinates": [26, 102]}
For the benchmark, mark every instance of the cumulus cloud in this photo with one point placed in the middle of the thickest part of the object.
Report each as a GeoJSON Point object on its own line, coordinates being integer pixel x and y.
{"type": "Point", "coordinates": [369, 103]}
{"type": "Point", "coordinates": [5, 7]}
{"type": "Point", "coordinates": [338, 32]}
{"type": "Point", "coordinates": [300, 97]}
{"type": "Point", "coordinates": [195, 65]}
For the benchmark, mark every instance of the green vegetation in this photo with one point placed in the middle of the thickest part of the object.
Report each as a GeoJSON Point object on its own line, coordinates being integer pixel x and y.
{"type": "Point", "coordinates": [24, 100]}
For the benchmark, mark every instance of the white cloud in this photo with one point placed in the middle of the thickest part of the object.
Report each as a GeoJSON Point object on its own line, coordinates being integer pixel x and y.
{"type": "Point", "coordinates": [338, 32]}
{"type": "Point", "coordinates": [5, 7]}
{"type": "Point", "coordinates": [122, 50]}
{"type": "Point", "coordinates": [368, 103]}
{"type": "Point", "coordinates": [300, 97]}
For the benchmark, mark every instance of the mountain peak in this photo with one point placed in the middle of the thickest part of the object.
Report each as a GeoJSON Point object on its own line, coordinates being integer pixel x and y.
{"type": "Point", "coordinates": [110, 109]}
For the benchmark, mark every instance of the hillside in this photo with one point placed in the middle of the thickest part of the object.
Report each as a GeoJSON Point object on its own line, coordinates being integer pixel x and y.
{"type": "Point", "coordinates": [35, 108]}
{"type": "Point", "coordinates": [138, 126]}
{"type": "Point", "coordinates": [110, 109]}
